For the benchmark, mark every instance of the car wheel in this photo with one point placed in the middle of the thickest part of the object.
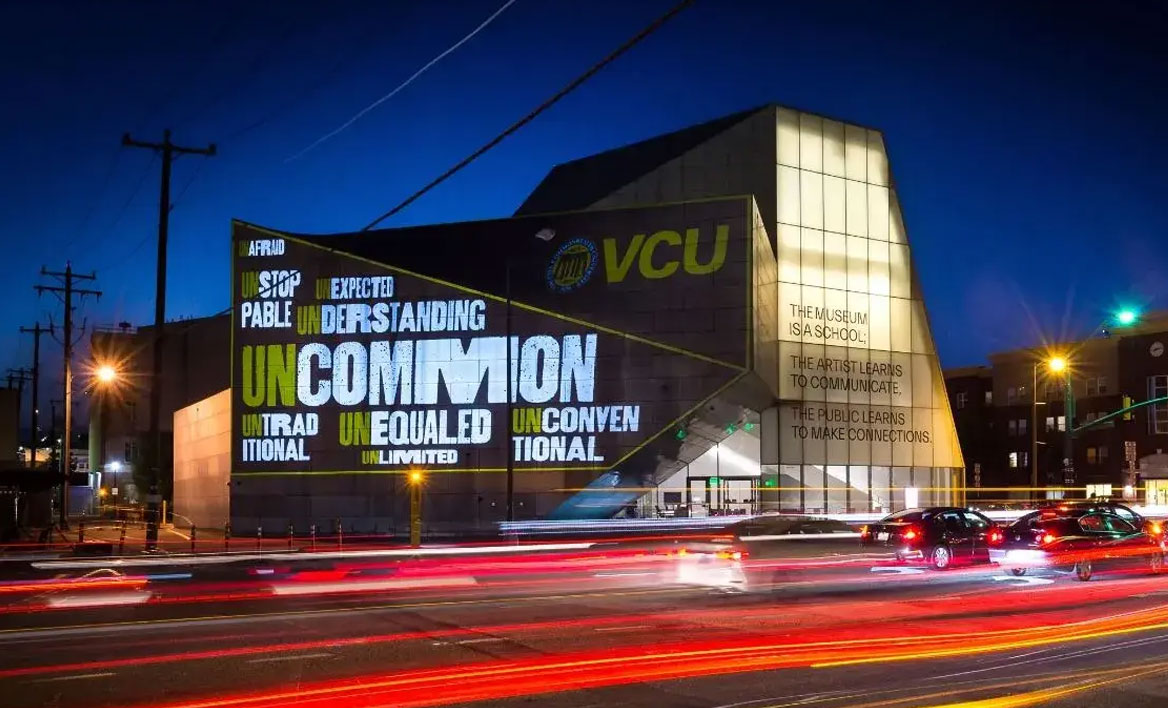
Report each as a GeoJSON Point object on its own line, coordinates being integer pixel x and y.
{"type": "Point", "coordinates": [1083, 570]}
{"type": "Point", "coordinates": [940, 558]}
{"type": "Point", "coordinates": [1018, 571]}
{"type": "Point", "coordinates": [1156, 563]}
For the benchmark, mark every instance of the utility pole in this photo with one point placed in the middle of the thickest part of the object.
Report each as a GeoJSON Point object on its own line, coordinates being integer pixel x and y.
{"type": "Point", "coordinates": [168, 151]}
{"type": "Point", "coordinates": [66, 291]}
{"type": "Point", "coordinates": [36, 331]}
{"type": "Point", "coordinates": [19, 376]}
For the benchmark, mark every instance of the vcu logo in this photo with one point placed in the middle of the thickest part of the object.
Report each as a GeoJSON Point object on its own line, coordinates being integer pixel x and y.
{"type": "Point", "coordinates": [572, 265]}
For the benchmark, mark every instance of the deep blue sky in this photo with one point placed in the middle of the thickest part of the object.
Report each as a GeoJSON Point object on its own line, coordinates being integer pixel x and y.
{"type": "Point", "coordinates": [1029, 140]}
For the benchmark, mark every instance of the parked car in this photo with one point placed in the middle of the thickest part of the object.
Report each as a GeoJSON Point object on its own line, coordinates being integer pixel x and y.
{"type": "Point", "coordinates": [941, 536]}
{"type": "Point", "coordinates": [1082, 541]}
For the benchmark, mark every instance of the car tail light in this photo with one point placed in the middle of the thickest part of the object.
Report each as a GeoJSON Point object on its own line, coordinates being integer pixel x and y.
{"type": "Point", "coordinates": [1047, 538]}
{"type": "Point", "coordinates": [864, 531]}
{"type": "Point", "coordinates": [910, 533]}
{"type": "Point", "coordinates": [682, 552]}
{"type": "Point", "coordinates": [730, 555]}
{"type": "Point", "coordinates": [996, 536]}
{"type": "Point", "coordinates": [1155, 528]}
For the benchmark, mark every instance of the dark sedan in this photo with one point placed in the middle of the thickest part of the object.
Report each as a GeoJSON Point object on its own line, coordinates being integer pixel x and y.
{"type": "Point", "coordinates": [1076, 507]}
{"type": "Point", "coordinates": [1084, 542]}
{"type": "Point", "coordinates": [940, 536]}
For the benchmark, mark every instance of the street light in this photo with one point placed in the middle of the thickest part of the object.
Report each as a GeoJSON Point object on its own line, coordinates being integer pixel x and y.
{"type": "Point", "coordinates": [106, 374]}
{"type": "Point", "coordinates": [1056, 365]}
{"type": "Point", "coordinates": [415, 478]}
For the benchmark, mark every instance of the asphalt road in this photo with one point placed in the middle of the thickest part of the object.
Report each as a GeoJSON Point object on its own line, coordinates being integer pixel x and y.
{"type": "Point", "coordinates": [601, 630]}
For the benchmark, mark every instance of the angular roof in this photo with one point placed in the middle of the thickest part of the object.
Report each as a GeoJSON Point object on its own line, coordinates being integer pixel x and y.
{"type": "Point", "coordinates": [580, 183]}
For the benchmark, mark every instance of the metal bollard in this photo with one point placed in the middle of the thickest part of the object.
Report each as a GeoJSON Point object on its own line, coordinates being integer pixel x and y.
{"type": "Point", "coordinates": [291, 534]}
{"type": "Point", "coordinates": [259, 537]}
{"type": "Point", "coordinates": [227, 536]}
{"type": "Point", "coordinates": [312, 535]}
{"type": "Point", "coordinates": [122, 539]}
{"type": "Point", "coordinates": [81, 531]}
{"type": "Point", "coordinates": [193, 532]}
{"type": "Point", "coordinates": [340, 534]}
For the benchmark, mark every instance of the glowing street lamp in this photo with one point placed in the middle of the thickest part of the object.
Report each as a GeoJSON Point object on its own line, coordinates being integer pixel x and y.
{"type": "Point", "coordinates": [1055, 365]}
{"type": "Point", "coordinates": [106, 374]}
{"type": "Point", "coordinates": [415, 479]}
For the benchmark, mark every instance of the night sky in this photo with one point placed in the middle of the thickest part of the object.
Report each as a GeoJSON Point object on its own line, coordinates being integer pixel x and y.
{"type": "Point", "coordinates": [1028, 140]}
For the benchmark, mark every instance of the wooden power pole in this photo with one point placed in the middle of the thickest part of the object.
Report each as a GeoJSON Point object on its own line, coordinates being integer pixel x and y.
{"type": "Point", "coordinates": [168, 151]}
{"type": "Point", "coordinates": [36, 331]}
{"type": "Point", "coordinates": [66, 291]}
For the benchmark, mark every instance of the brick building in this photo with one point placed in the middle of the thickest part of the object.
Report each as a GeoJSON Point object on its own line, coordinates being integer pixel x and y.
{"type": "Point", "coordinates": [996, 413]}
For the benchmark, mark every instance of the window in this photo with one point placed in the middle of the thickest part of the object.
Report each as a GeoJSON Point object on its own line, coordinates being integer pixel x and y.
{"type": "Point", "coordinates": [1098, 490]}
{"type": "Point", "coordinates": [976, 520]}
{"type": "Point", "coordinates": [1089, 417]}
{"type": "Point", "coordinates": [1126, 514]}
{"type": "Point", "coordinates": [1092, 523]}
{"type": "Point", "coordinates": [1158, 413]}
{"type": "Point", "coordinates": [1021, 426]}
{"type": "Point", "coordinates": [131, 451]}
{"type": "Point", "coordinates": [1097, 386]}
{"type": "Point", "coordinates": [1021, 393]}
{"type": "Point", "coordinates": [1025, 459]}
{"type": "Point", "coordinates": [1102, 453]}
{"type": "Point", "coordinates": [1092, 456]}
{"type": "Point", "coordinates": [989, 398]}
{"type": "Point", "coordinates": [1011, 396]}
{"type": "Point", "coordinates": [1118, 525]}
{"type": "Point", "coordinates": [1049, 423]}
{"type": "Point", "coordinates": [960, 399]}
{"type": "Point", "coordinates": [1062, 423]}
{"type": "Point", "coordinates": [132, 412]}
{"type": "Point", "coordinates": [1012, 426]}
{"type": "Point", "coordinates": [1013, 459]}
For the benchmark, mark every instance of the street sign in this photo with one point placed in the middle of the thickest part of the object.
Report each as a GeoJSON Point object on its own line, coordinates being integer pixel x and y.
{"type": "Point", "coordinates": [114, 491]}
{"type": "Point", "coordinates": [1129, 450]}
{"type": "Point", "coordinates": [977, 474]}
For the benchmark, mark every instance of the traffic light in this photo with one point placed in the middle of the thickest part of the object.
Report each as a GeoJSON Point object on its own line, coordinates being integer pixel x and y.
{"type": "Point", "coordinates": [714, 481]}
{"type": "Point", "coordinates": [1127, 403]}
{"type": "Point", "coordinates": [680, 434]}
{"type": "Point", "coordinates": [768, 482]}
{"type": "Point", "coordinates": [1126, 317]}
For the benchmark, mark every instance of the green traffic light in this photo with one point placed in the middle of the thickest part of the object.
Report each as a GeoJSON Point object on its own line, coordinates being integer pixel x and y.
{"type": "Point", "coordinates": [1126, 316]}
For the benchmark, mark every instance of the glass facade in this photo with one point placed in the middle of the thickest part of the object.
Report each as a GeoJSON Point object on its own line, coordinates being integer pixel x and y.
{"type": "Point", "coordinates": [863, 412]}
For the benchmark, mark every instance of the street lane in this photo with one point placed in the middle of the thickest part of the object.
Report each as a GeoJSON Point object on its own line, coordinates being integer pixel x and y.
{"type": "Point", "coordinates": [640, 626]}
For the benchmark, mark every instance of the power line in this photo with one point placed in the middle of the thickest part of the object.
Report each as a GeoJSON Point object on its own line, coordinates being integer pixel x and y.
{"type": "Point", "coordinates": [572, 86]}
{"type": "Point", "coordinates": [373, 30]}
{"type": "Point", "coordinates": [405, 83]}
{"type": "Point", "coordinates": [629, 44]}
{"type": "Point", "coordinates": [105, 183]}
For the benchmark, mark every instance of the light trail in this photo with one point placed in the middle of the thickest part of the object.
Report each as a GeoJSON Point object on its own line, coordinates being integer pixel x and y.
{"type": "Point", "coordinates": [636, 664]}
